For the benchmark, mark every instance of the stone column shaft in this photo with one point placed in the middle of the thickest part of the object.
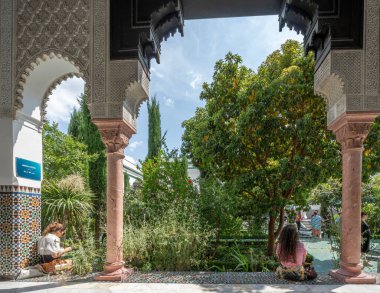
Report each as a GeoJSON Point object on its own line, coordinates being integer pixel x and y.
{"type": "Point", "coordinates": [351, 131]}
{"type": "Point", "coordinates": [115, 134]}
{"type": "Point", "coordinates": [351, 209]}
{"type": "Point", "coordinates": [115, 192]}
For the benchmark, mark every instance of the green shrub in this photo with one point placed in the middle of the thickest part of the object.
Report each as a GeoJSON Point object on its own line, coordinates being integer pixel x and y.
{"type": "Point", "coordinates": [67, 201]}
{"type": "Point", "coordinates": [175, 242]}
{"type": "Point", "coordinates": [86, 257]}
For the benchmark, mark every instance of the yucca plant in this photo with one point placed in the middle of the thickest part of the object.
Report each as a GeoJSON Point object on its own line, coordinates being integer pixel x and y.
{"type": "Point", "coordinates": [67, 201]}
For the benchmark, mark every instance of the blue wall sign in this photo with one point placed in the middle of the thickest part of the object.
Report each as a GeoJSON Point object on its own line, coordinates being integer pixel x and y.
{"type": "Point", "coordinates": [28, 169]}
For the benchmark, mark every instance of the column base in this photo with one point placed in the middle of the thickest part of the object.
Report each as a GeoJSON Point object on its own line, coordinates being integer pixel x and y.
{"type": "Point", "coordinates": [348, 278]}
{"type": "Point", "coordinates": [114, 276]}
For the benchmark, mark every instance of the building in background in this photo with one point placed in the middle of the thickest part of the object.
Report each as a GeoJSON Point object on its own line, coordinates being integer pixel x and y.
{"type": "Point", "coordinates": [130, 168]}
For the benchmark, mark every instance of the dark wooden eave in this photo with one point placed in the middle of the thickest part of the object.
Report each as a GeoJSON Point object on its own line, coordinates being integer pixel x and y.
{"type": "Point", "coordinates": [198, 9]}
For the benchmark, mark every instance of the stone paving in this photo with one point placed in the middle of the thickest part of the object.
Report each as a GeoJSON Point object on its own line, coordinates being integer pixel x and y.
{"type": "Point", "coordinates": [323, 256]}
{"type": "Point", "coordinates": [194, 278]}
{"type": "Point", "coordinates": [94, 287]}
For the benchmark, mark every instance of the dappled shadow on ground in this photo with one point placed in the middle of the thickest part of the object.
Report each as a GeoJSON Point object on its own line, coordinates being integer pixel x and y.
{"type": "Point", "coordinates": [268, 288]}
{"type": "Point", "coordinates": [27, 288]}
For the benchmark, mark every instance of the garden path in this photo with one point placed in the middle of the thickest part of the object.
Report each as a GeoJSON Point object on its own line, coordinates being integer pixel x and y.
{"type": "Point", "coordinates": [323, 255]}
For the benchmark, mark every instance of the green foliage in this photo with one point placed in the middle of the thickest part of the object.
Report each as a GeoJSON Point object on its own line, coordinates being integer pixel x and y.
{"type": "Point", "coordinates": [219, 209]}
{"type": "Point", "coordinates": [371, 154]}
{"type": "Point", "coordinates": [165, 181]}
{"type": "Point", "coordinates": [254, 261]}
{"type": "Point", "coordinates": [163, 230]}
{"type": "Point", "coordinates": [176, 241]}
{"type": "Point", "coordinates": [86, 257]}
{"type": "Point", "coordinates": [67, 201]}
{"type": "Point", "coordinates": [371, 203]}
{"type": "Point", "coordinates": [63, 155]}
{"type": "Point", "coordinates": [82, 128]}
{"type": "Point", "coordinates": [329, 196]}
{"type": "Point", "coordinates": [154, 128]}
{"type": "Point", "coordinates": [242, 258]}
{"type": "Point", "coordinates": [75, 120]}
{"type": "Point", "coordinates": [264, 133]}
{"type": "Point", "coordinates": [127, 186]}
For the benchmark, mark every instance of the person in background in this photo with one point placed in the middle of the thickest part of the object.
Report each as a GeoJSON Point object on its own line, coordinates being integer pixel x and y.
{"type": "Point", "coordinates": [291, 254]}
{"type": "Point", "coordinates": [366, 233]}
{"type": "Point", "coordinates": [316, 224]}
{"type": "Point", "coordinates": [298, 221]}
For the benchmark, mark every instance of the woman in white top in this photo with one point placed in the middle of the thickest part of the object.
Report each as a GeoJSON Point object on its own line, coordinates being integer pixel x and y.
{"type": "Point", "coordinates": [49, 246]}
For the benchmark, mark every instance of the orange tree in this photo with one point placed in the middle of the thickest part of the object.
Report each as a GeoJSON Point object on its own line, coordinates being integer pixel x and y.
{"type": "Point", "coordinates": [264, 134]}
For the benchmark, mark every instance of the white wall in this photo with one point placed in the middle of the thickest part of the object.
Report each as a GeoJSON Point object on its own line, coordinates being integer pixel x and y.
{"type": "Point", "coordinates": [22, 137]}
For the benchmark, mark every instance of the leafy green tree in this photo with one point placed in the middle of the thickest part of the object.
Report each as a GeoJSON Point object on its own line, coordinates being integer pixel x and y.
{"type": "Point", "coordinates": [63, 155]}
{"type": "Point", "coordinates": [154, 124]}
{"type": "Point", "coordinates": [371, 154]}
{"type": "Point", "coordinates": [264, 133]}
{"type": "Point", "coordinates": [165, 181]}
{"type": "Point", "coordinates": [219, 209]}
{"type": "Point", "coordinates": [82, 128]}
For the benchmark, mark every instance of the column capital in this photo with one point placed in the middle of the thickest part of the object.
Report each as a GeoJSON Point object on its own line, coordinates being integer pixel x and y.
{"type": "Point", "coordinates": [115, 134]}
{"type": "Point", "coordinates": [351, 129]}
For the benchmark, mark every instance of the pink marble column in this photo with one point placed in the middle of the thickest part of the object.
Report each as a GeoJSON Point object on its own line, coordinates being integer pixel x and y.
{"type": "Point", "coordinates": [115, 134]}
{"type": "Point", "coordinates": [351, 131]}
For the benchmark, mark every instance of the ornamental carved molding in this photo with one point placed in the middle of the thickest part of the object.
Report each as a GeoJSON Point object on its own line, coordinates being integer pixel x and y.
{"type": "Point", "coordinates": [372, 47]}
{"type": "Point", "coordinates": [352, 129]}
{"type": "Point", "coordinates": [47, 29]}
{"type": "Point", "coordinates": [331, 87]}
{"type": "Point", "coordinates": [352, 135]}
{"type": "Point", "coordinates": [27, 70]}
{"type": "Point", "coordinates": [6, 69]}
{"type": "Point", "coordinates": [50, 90]}
{"type": "Point", "coordinates": [115, 134]}
{"type": "Point", "coordinates": [135, 95]}
{"type": "Point", "coordinates": [100, 52]}
{"type": "Point", "coordinates": [124, 102]}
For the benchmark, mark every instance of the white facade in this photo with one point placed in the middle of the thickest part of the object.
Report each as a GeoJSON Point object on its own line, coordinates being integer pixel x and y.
{"type": "Point", "coordinates": [131, 169]}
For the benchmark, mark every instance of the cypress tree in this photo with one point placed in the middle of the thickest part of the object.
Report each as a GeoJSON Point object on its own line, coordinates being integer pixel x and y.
{"type": "Point", "coordinates": [73, 128]}
{"type": "Point", "coordinates": [87, 132]}
{"type": "Point", "coordinates": [154, 123]}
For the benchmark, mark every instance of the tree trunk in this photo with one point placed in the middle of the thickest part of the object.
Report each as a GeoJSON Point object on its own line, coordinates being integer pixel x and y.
{"type": "Point", "coordinates": [271, 236]}
{"type": "Point", "coordinates": [281, 223]}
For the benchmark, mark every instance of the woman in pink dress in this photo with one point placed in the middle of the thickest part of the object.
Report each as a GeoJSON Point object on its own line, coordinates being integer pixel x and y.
{"type": "Point", "coordinates": [291, 254]}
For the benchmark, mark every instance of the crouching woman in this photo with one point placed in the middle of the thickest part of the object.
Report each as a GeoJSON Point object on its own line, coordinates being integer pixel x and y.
{"type": "Point", "coordinates": [49, 247]}
{"type": "Point", "coordinates": [291, 254]}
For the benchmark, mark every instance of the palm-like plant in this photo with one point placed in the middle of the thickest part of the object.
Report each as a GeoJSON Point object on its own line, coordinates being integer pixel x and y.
{"type": "Point", "coordinates": [67, 201]}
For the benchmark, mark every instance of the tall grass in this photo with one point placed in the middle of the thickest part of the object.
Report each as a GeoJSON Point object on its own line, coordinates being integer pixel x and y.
{"type": "Point", "coordinates": [173, 243]}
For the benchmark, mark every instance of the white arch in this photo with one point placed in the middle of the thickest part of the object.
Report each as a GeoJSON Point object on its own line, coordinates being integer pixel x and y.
{"type": "Point", "coordinates": [39, 79]}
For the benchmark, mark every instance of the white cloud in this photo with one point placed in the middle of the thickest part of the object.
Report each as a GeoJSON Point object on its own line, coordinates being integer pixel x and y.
{"type": "Point", "coordinates": [64, 99]}
{"type": "Point", "coordinates": [196, 79]}
{"type": "Point", "coordinates": [154, 71]}
{"type": "Point", "coordinates": [134, 145]}
{"type": "Point", "coordinates": [169, 102]}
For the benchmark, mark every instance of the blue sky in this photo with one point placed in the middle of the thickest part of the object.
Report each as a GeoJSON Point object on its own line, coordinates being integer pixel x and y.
{"type": "Point", "coordinates": [186, 63]}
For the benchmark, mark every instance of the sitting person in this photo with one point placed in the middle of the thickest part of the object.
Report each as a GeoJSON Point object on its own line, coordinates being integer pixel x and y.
{"type": "Point", "coordinates": [49, 247]}
{"type": "Point", "coordinates": [291, 254]}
